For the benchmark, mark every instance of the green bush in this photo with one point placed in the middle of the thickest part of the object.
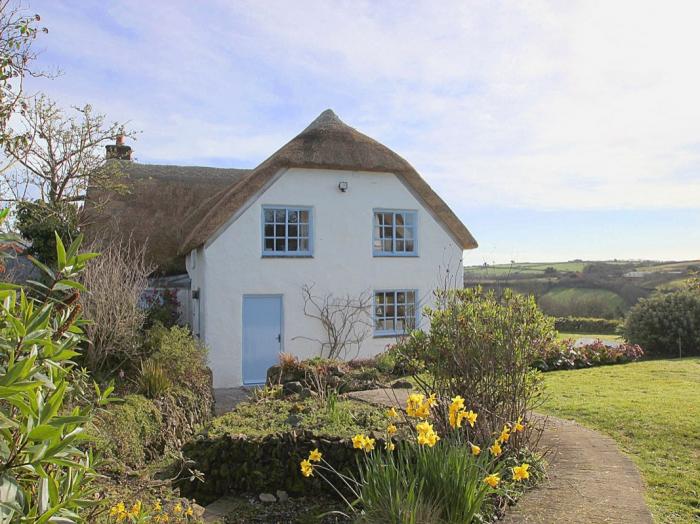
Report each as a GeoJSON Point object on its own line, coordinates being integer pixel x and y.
{"type": "Point", "coordinates": [45, 476]}
{"type": "Point", "coordinates": [130, 433]}
{"type": "Point", "coordinates": [181, 357]}
{"type": "Point", "coordinates": [587, 325]}
{"type": "Point", "coordinates": [40, 222]}
{"type": "Point", "coordinates": [482, 346]}
{"type": "Point", "coordinates": [666, 325]}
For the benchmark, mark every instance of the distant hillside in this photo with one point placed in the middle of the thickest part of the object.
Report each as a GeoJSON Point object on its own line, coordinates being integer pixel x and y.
{"type": "Point", "coordinates": [605, 289]}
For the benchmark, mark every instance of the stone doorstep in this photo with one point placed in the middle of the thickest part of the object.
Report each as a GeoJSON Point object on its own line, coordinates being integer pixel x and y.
{"type": "Point", "coordinates": [217, 510]}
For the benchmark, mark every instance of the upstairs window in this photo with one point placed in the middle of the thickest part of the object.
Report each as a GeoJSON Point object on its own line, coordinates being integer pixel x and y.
{"type": "Point", "coordinates": [394, 312]}
{"type": "Point", "coordinates": [394, 233]}
{"type": "Point", "coordinates": [287, 231]}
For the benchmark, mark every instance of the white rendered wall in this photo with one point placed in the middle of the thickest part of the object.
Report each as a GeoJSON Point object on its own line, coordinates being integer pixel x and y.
{"type": "Point", "coordinates": [232, 264]}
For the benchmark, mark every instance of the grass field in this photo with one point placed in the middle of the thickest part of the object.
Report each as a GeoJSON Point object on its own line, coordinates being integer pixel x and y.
{"type": "Point", "coordinates": [563, 301]}
{"type": "Point", "coordinates": [533, 268]}
{"type": "Point", "coordinates": [652, 409]}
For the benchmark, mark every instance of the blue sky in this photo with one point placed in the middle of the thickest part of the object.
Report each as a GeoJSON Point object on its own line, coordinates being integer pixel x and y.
{"type": "Point", "coordinates": [555, 130]}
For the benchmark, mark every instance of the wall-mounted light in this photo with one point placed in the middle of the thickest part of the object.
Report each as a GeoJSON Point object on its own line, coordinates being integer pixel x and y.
{"type": "Point", "coordinates": [343, 186]}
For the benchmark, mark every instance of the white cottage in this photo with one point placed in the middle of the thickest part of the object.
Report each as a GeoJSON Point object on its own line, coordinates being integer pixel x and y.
{"type": "Point", "coordinates": [333, 210]}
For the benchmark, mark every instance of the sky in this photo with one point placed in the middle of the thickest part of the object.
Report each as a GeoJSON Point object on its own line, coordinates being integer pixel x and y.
{"type": "Point", "coordinates": [554, 130]}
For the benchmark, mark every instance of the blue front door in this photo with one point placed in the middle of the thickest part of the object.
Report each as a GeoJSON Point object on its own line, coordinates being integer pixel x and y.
{"type": "Point", "coordinates": [262, 336]}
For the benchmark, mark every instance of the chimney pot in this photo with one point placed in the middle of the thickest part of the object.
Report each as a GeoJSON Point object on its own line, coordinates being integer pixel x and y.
{"type": "Point", "coordinates": [118, 150]}
{"type": "Point", "coordinates": [120, 140]}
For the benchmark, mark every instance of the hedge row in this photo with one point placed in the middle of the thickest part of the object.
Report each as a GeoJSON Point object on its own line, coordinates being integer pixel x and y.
{"type": "Point", "coordinates": [586, 325]}
{"type": "Point", "coordinates": [239, 463]}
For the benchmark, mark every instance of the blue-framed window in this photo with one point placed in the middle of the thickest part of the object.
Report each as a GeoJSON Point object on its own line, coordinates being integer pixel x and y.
{"type": "Point", "coordinates": [394, 233]}
{"type": "Point", "coordinates": [287, 231]}
{"type": "Point", "coordinates": [394, 312]}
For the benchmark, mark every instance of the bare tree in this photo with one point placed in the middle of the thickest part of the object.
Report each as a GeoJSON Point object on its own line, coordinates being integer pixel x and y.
{"type": "Point", "coordinates": [346, 321]}
{"type": "Point", "coordinates": [18, 30]}
{"type": "Point", "coordinates": [63, 153]}
{"type": "Point", "coordinates": [116, 281]}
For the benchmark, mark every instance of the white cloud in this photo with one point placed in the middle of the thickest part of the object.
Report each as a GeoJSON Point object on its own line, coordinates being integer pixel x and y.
{"type": "Point", "coordinates": [538, 104]}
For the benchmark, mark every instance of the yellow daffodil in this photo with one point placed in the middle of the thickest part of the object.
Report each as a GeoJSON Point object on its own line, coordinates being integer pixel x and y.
{"type": "Point", "coordinates": [426, 435]}
{"type": "Point", "coordinates": [457, 404]}
{"type": "Point", "coordinates": [307, 468]}
{"type": "Point", "coordinates": [368, 445]}
{"type": "Point", "coordinates": [432, 400]}
{"type": "Point", "coordinates": [521, 472]}
{"type": "Point", "coordinates": [177, 509]}
{"type": "Point", "coordinates": [416, 407]}
{"type": "Point", "coordinates": [496, 449]}
{"type": "Point", "coordinates": [493, 480]}
{"type": "Point", "coordinates": [389, 445]}
{"type": "Point", "coordinates": [358, 441]}
{"type": "Point", "coordinates": [157, 506]}
{"type": "Point", "coordinates": [475, 449]}
{"type": "Point", "coordinates": [471, 417]}
{"type": "Point", "coordinates": [391, 412]}
{"type": "Point", "coordinates": [135, 510]}
{"type": "Point", "coordinates": [505, 434]}
{"type": "Point", "coordinates": [519, 426]}
{"type": "Point", "coordinates": [315, 455]}
{"type": "Point", "coordinates": [391, 430]}
{"type": "Point", "coordinates": [189, 512]}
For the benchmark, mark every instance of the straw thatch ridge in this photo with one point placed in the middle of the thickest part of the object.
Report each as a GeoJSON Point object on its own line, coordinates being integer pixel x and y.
{"type": "Point", "coordinates": [327, 143]}
{"type": "Point", "coordinates": [154, 208]}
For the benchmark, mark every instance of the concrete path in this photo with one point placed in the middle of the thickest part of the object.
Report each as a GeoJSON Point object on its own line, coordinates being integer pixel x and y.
{"type": "Point", "coordinates": [225, 399]}
{"type": "Point", "coordinates": [589, 479]}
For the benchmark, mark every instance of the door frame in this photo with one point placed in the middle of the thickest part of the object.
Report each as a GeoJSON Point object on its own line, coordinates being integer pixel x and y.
{"type": "Point", "coordinates": [259, 295]}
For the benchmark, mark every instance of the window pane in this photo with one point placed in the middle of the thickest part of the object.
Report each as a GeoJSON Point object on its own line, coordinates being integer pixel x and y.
{"type": "Point", "coordinates": [400, 246]}
{"type": "Point", "coordinates": [292, 244]}
{"type": "Point", "coordinates": [304, 217]}
{"type": "Point", "coordinates": [269, 215]}
{"type": "Point", "coordinates": [388, 219]}
{"type": "Point", "coordinates": [409, 246]}
{"type": "Point", "coordinates": [269, 244]}
{"type": "Point", "coordinates": [387, 245]}
{"type": "Point", "coordinates": [379, 311]}
{"type": "Point", "coordinates": [379, 219]}
{"type": "Point", "coordinates": [380, 324]}
{"type": "Point", "coordinates": [379, 298]}
{"type": "Point", "coordinates": [401, 297]}
{"type": "Point", "coordinates": [279, 244]}
{"type": "Point", "coordinates": [269, 230]}
{"type": "Point", "coordinates": [400, 325]}
{"type": "Point", "coordinates": [399, 219]}
{"type": "Point", "coordinates": [389, 324]}
{"type": "Point", "coordinates": [280, 216]}
{"type": "Point", "coordinates": [408, 233]}
{"type": "Point", "coordinates": [279, 230]}
{"type": "Point", "coordinates": [303, 231]}
{"type": "Point", "coordinates": [408, 218]}
{"type": "Point", "coordinates": [400, 311]}
{"type": "Point", "coordinates": [304, 244]}
{"type": "Point", "coordinates": [390, 298]}
{"type": "Point", "coordinates": [411, 296]}
{"type": "Point", "coordinates": [293, 230]}
{"type": "Point", "coordinates": [293, 217]}
{"type": "Point", "coordinates": [399, 231]}
{"type": "Point", "coordinates": [390, 311]}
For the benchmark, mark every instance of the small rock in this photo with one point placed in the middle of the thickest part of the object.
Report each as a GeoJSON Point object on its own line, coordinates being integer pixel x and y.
{"type": "Point", "coordinates": [282, 496]}
{"type": "Point", "coordinates": [197, 510]}
{"type": "Point", "coordinates": [292, 387]}
{"type": "Point", "coordinates": [306, 393]}
{"type": "Point", "coordinates": [267, 497]}
{"type": "Point", "coordinates": [402, 384]}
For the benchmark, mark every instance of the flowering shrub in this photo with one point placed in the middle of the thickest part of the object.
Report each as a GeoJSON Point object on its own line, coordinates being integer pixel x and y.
{"type": "Point", "coordinates": [427, 477]}
{"type": "Point", "coordinates": [564, 354]}
{"type": "Point", "coordinates": [138, 513]}
{"type": "Point", "coordinates": [485, 344]}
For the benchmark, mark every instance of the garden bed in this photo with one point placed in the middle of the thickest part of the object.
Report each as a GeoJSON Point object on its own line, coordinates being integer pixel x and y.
{"type": "Point", "coordinates": [258, 446]}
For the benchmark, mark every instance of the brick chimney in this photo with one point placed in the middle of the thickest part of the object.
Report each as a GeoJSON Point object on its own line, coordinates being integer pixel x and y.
{"type": "Point", "coordinates": [118, 151]}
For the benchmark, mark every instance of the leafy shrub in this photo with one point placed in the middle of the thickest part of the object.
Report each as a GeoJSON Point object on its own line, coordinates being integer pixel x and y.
{"type": "Point", "coordinates": [153, 380]}
{"type": "Point", "coordinates": [40, 222]}
{"type": "Point", "coordinates": [666, 325]}
{"type": "Point", "coordinates": [162, 306]}
{"type": "Point", "coordinates": [564, 354]}
{"type": "Point", "coordinates": [45, 475]}
{"type": "Point", "coordinates": [586, 325]}
{"type": "Point", "coordinates": [483, 344]}
{"type": "Point", "coordinates": [181, 357]}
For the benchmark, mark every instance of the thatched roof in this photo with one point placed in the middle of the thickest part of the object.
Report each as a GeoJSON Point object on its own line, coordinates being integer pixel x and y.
{"type": "Point", "coordinates": [327, 143]}
{"type": "Point", "coordinates": [155, 207]}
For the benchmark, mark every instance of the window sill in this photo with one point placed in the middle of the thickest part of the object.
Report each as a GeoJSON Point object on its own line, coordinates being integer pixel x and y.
{"type": "Point", "coordinates": [389, 335]}
{"type": "Point", "coordinates": [395, 255]}
{"type": "Point", "coordinates": [286, 256]}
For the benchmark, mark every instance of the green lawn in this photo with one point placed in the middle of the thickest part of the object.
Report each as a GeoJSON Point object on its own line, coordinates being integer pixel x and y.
{"type": "Point", "coordinates": [652, 409]}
